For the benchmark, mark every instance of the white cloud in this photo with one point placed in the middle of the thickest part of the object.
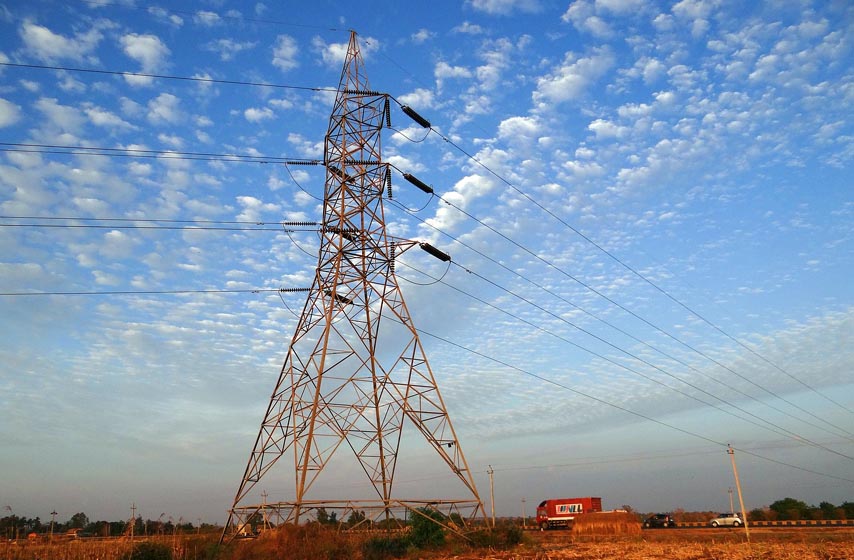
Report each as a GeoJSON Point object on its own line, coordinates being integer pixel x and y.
{"type": "Point", "coordinates": [620, 6]}
{"type": "Point", "coordinates": [253, 208]}
{"type": "Point", "coordinates": [63, 117]}
{"type": "Point", "coordinates": [43, 43]}
{"type": "Point", "coordinates": [172, 140]}
{"type": "Point", "coordinates": [9, 113]}
{"type": "Point", "coordinates": [149, 51]}
{"type": "Point", "coordinates": [468, 28]}
{"type": "Point", "coordinates": [160, 13]}
{"type": "Point", "coordinates": [254, 114]}
{"type": "Point", "coordinates": [444, 71]}
{"type": "Point", "coordinates": [519, 127]}
{"type": "Point", "coordinates": [420, 98]}
{"type": "Point", "coordinates": [504, 7]}
{"type": "Point", "coordinates": [421, 36]}
{"type": "Point", "coordinates": [228, 48]}
{"type": "Point", "coordinates": [206, 18]}
{"type": "Point", "coordinates": [333, 54]}
{"type": "Point", "coordinates": [285, 52]}
{"type": "Point", "coordinates": [164, 109]}
{"type": "Point", "coordinates": [582, 14]}
{"type": "Point", "coordinates": [102, 117]}
{"type": "Point", "coordinates": [569, 80]}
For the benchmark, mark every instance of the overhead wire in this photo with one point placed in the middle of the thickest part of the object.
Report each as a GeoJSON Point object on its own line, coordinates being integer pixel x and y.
{"type": "Point", "coordinates": [768, 425]}
{"type": "Point", "coordinates": [166, 77]}
{"type": "Point", "coordinates": [619, 329]}
{"type": "Point", "coordinates": [151, 154]}
{"type": "Point", "coordinates": [290, 87]}
{"type": "Point", "coordinates": [628, 267]}
{"type": "Point", "coordinates": [155, 292]}
{"type": "Point", "coordinates": [644, 320]}
{"type": "Point", "coordinates": [623, 408]}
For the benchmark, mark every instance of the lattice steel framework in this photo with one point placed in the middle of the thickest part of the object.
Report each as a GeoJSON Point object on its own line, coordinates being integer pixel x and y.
{"type": "Point", "coordinates": [355, 371]}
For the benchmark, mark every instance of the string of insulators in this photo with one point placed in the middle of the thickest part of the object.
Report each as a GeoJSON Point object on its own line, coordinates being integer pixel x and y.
{"type": "Point", "coordinates": [335, 171]}
{"type": "Point", "coordinates": [388, 181]}
{"type": "Point", "coordinates": [292, 224]}
{"type": "Point", "coordinates": [415, 116]}
{"type": "Point", "coordinates": [444, 257]}
{"type": "Point", "coordinates": [387, 110]}
{"type": "Point", "coordinates": [362, 162]}
{"type": "Point", "coordinates": [391, 258]}
{"type": "Point", "coordinates": [418, 183]}
{"type": "Point", "coordinates": [339, 297]}
{"type": "Point", "coordinates": [346, 234]}
{"type": "Point", "coordinates": [362, 92]}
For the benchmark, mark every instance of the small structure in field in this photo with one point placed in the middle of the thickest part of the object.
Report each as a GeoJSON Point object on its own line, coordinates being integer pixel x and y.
{"type": "Point", "coordinates": [607, 523]}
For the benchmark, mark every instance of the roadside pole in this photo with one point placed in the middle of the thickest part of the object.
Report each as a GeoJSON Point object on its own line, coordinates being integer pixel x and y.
{"type": "Point", "coordinates": [731, 453]}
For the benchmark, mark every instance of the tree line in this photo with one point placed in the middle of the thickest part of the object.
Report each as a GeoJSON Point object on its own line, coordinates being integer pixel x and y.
{"type": "Point", "coordinates": [17, 527]}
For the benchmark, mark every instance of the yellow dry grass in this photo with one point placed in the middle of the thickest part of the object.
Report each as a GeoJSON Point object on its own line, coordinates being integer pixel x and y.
{"type": "Point", "coordinates": [606, 523]}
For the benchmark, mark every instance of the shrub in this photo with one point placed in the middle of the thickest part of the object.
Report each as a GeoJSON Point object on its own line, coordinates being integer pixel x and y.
{"type": "Point", "coordinates": [426, 529]}
{"type": "Point", "coordinates": [382, 548]}
{"type": "Point", "coordinates": [502, 537]}
{"type": "Point", "coordinates": [148, 551]}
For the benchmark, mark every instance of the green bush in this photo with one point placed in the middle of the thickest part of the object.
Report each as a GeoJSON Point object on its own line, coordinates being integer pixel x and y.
{"type": "Point", "coordinates": [382, 548]}
{"type": "Point", "coordinates": [148, 551]}
{"type": "Point", "coordinates": [501, 537]}
{"type": "Point", "coordinates": [426, 531]}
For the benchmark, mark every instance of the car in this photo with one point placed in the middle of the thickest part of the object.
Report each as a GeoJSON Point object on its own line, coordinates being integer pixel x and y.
{"type": "Point", "coordinates": [726, 520]}
{"type": "Point", "coordinates": [662, 520]}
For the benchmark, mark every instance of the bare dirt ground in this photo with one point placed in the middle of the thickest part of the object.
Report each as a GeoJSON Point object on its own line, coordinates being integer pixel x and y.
{"type": "Point", "coordinates": [680, 544]}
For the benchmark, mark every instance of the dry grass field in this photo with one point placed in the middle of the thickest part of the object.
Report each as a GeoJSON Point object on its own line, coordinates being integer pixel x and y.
{"type": "Point", "coordinates": [810, 543]}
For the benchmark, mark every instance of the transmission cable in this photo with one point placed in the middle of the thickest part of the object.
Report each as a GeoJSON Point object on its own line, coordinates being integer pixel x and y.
{"type": "Point", "coordinates": [156, 292]}
{"type": "Point", "coordinates": [165, 77]}
{"type": "Point", "coordinates": [620, 330]}
{"type": "Point", "coordinates": [147, 153]}
{"type": "Point", "coordinates": [622, 408]}
{"type": "Point", "coordinates": [779, 430]}
{"type": "Point", "coordinates": [545, 209]}
{"type": "Point", "coordinates": [633, 314]}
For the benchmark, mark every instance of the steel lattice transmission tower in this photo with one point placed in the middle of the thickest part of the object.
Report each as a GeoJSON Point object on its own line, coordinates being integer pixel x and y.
{"type": "Point", "coordinates": [356, 371]}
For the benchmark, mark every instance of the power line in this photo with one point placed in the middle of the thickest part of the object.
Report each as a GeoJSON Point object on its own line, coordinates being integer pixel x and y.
{"type": "Point", "coordinates": [637, 316]}
{"type": "Point", "coordinates": [156, 292]}
{"type": "Point", "coordinates": [545, 209]}
{"type": "Point", "coordinates": [178, 228]}
{"type": "Point", "coordinates": [615, 327]}
{"type": "Point", "coordinates": [165, 77]}
{"type": "Point", "coordinates": [145, 153]}
{"type": "Point", "coordinates": [160, 220]}
{"type": "Point", "coordinates": [771, 426]}
{"type": "Point", "coordinates": [624, 409]}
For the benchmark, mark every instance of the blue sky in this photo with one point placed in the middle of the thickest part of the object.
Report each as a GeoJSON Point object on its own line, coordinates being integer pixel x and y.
{"type": "Point", "coordinates": [703, 148]}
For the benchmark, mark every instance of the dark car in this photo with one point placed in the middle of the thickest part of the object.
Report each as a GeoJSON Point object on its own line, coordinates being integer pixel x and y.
{"type": "Point", "coordinates": [659, 520]}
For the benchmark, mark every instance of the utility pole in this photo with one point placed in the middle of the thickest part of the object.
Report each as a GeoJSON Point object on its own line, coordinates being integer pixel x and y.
{"type": "Point", "coordinates": [524, 520]}
{"type": "Point", "coordinates": [132, 522]}
{"type": "Point", "coordinates": [731, 453]}
{"type": "Point", "coordinates": [492, 494]}
{"type": "Point", "coordinates": [731, 510]}
{"type": "Point", "coordinates": [52, 518]}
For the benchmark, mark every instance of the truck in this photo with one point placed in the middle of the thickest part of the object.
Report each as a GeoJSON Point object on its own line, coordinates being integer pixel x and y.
{"type": "Point", "coordinates": [561, 512]}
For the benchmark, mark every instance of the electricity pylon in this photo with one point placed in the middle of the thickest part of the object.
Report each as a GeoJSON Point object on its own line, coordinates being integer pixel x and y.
{"type": "Point", "coordinates": [355, 371]}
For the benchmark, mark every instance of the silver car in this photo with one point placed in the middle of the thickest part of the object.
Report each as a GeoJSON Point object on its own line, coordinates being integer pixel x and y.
{"type": "Point", "coordinates": [726, 520]}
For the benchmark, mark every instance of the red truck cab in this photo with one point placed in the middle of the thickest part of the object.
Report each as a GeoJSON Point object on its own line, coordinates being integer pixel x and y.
{"type": "Point", "coordinates": [560, 512]}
